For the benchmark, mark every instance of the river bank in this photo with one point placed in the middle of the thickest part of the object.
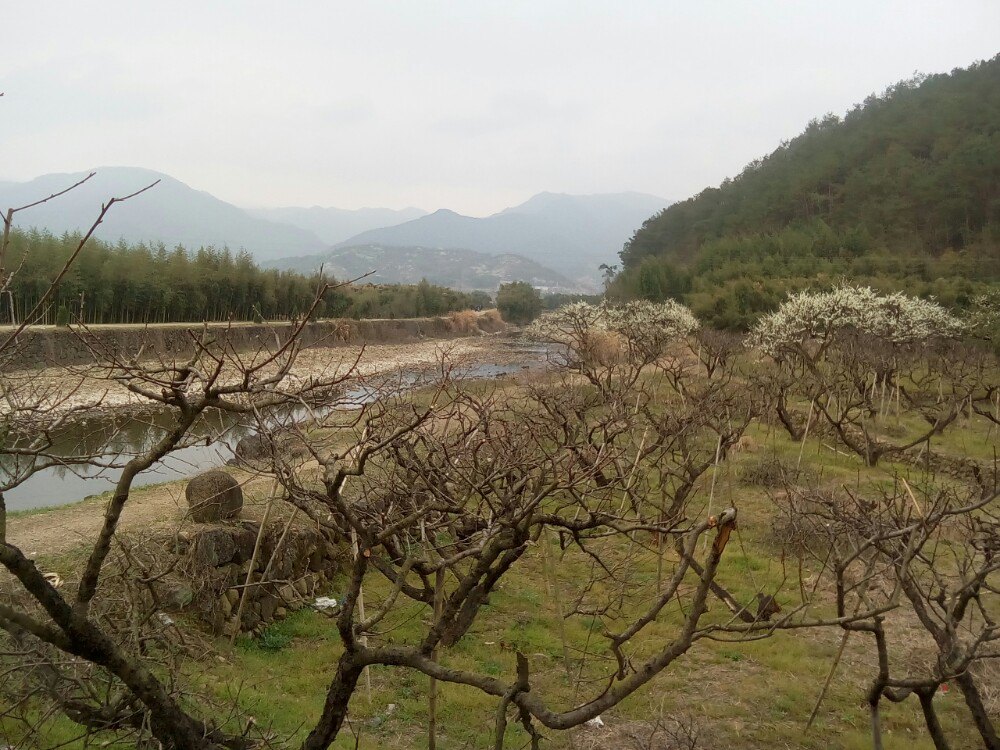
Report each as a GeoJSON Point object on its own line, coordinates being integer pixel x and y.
{"type": "Point", "coordinates": [67, 387]}
{"type": "Point", "coordinates": [126, 425]}
{"type": "Point", "coordinates": [52, 346]}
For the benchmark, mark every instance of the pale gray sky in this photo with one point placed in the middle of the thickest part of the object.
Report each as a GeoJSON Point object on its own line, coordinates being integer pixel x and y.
{"type": "Point", "coordinates": [472, 105]}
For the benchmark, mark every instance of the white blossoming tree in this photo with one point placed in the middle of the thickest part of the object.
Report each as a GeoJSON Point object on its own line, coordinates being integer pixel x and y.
{"type": "Point", "coordinates": [853, 352]}
{"type": "Point", "coordinates": [984, 326]}
{"type": "Point", "coordinates": [603, 341]}
{"type": "Point", "coordinates": [809, 322]}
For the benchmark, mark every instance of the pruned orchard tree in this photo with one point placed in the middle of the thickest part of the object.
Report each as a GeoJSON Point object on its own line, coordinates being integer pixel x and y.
{"type": "Point", "coordinates": [93, 647]}
{"type": "Point", "coordinates": [887, 374]}
{"type": "Point", "coordinates": [599, 477]}
{"type": "Point", "coordinates": [449, 496]}
{"type": "Point", "coordinates": [924, 558]}
{"type": "Point", "coordinates": [984, 326]}
{"type": "Point", "coordinates": [852, 355]}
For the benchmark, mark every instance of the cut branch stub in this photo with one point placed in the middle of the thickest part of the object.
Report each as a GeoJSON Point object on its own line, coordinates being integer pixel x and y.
{"type": "Point", "coordinates": [725, 523]}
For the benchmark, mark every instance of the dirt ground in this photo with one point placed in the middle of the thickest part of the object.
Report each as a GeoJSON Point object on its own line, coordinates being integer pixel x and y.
{"type": "Point", "coordinates": [57, 531]}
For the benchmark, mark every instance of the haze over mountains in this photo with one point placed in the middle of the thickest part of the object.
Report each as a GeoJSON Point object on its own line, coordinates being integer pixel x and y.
{"type": "Point", "coordinates": [333, 225]}
{"type": "Point", "coordinates": [556, 241]}
{"type": "Point", "coordinates": [572, 234]}
{"type": "Point", "coordinates": [172, 213]}
{"type": "Point", "coordinates": [466, 270]}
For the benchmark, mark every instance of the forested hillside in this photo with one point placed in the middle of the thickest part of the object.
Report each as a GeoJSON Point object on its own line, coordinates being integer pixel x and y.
{"type": "Point", "coordinates": [141, 284]}
{"type": "Point", "coordinates": [901, 192]}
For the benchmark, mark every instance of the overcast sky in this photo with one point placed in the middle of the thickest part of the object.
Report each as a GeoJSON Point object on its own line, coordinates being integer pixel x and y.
{"type": "Point", "coordinates": [469, 105]}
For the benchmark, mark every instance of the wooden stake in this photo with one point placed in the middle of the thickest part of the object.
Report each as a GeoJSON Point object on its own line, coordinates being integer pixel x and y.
{"type": "Point", "coordinates": [253, 562]}
{"type": "Point", "coordinates": [432, 698]}
{"type": "Point", "coordinates": [711, 492]}
{"type": "Point", "coordinates": [805, 434]}
{"type": "Point", "coordinates": [552, 589]}
{"type": "Point", "coordinates": [361, 612]}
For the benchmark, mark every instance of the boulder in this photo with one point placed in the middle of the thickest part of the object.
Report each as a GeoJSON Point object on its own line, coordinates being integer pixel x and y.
{"type": "Point", "coordinates": [214, 496]}
{"type": "Point", "coordinates": [173, 594]}
{"type": "Point", "coordinates": [252, 448]}
{"type": "Point", "coordinates": [259, 449]}
{"type": "Point", "coordinates": [268, 604]}
{"type": "Point", "coordinates": [213, 548]}
{"type": "Point", "coordinates": [245, 538]}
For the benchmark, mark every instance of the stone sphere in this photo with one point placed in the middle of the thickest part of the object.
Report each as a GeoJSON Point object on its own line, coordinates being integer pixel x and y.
{"type": "Point", "coordinates": [214, 496]}
{"type": "Point", "coordinates": [252, 448]}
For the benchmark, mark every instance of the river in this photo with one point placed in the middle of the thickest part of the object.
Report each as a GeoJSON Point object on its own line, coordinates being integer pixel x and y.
{"type": "Point", "coordinates": [113, 439]}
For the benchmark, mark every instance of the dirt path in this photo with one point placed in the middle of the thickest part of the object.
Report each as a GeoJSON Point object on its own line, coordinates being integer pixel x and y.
{"type": "Point", "coordinates": [54, 532]}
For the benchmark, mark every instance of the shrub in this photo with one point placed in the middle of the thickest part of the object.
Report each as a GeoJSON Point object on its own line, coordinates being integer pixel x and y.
{"type": "Point", "coordinates": [766, 472]}
{"type": "Point", "coordinates": [519, 302]}
{"type": "Point", "coordinates": [465, 321]}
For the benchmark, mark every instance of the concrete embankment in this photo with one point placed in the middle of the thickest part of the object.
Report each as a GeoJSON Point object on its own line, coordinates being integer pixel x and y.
{"type": "Point", "coordinates": [45, 346]}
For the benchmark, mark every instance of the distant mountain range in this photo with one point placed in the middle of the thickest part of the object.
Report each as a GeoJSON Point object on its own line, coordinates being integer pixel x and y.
{"type": "Point", "coordinates": [572, 234]}
{"type": "Point", "coordinates": [171, 213]}
{"type": "Point", "coordinates": [334, 225]}
{"type": "Point", "coordinates": [554, 240]}
{"type": "Point", "coordinates": [455, 268]}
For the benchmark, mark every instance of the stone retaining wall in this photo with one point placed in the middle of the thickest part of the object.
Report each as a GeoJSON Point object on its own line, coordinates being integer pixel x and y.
{"type": "Point", "coordinates": [212, 568]}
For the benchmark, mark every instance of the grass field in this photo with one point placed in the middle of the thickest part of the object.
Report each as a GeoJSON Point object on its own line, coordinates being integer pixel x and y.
{"type": "Point", "coordinates": [747, 694]}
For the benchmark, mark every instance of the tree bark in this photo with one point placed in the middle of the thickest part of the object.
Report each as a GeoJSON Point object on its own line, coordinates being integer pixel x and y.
{"type": "Point", "coordinates": [981, 717]}
{"type": "Point", "coordinates": [335, 708]}
{"type": "Point", "coordinates": [931, 720]}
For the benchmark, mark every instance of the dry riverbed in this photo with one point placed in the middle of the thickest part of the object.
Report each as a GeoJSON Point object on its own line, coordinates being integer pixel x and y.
{"type": "Point", "coordinates": [73, 387]}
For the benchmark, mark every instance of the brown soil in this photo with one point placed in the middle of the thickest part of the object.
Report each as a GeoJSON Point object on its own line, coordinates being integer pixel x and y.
{"type": "Point", "coordinates": [53, 533]}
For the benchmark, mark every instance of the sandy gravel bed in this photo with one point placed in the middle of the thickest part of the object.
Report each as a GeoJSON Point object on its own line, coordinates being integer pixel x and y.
{"type": "Point", "coordinates": [72, 387]}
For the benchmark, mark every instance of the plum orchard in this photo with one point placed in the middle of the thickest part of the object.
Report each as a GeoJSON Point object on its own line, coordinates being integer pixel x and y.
{"type": "Point", "coordinates": [446, 498]}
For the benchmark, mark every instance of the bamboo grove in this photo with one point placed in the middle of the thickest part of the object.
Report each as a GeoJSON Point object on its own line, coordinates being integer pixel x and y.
{"type": "Point", "coordinates": [122, 283]}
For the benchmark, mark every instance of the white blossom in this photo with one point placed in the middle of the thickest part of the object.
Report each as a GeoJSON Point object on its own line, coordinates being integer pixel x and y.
{"type": "Point", "coordinates": [819, 316]}
{"type": "Point", "coordinates": [984, 316]}
{"type": "Point", "coordinates": [644, 326]}
{"type": "Point", "coordinates": [569, 323]}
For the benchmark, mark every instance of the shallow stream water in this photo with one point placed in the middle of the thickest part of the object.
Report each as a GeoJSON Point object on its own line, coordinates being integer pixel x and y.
{"type": "Point", "coordinates": [115, 438]}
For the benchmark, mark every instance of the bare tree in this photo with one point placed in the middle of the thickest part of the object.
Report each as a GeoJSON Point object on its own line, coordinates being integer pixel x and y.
{"type": "Point", "coordinates": [934, 553]}
{"type": "Point", "coordinates": [71, 639]}
{"type": "Point", "coordinates": [448, 500]}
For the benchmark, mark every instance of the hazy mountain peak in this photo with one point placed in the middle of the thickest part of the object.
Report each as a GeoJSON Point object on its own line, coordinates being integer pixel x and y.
{"type": "Point", "coordinates": [548, 200]}
{"type": "Point", "coordinates": [457, 268]}
{"type": "Point", "coordinates": [333, 225]}
{"type": "Point", "coordinates": [176, 214]}
{"type": "Point", "coordinates": [573, 234]}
